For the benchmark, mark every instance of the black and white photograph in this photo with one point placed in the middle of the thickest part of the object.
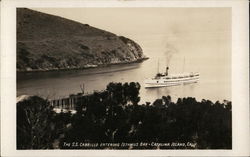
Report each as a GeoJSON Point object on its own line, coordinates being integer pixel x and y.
{"type": "Point", "coordinates": [125, 78]}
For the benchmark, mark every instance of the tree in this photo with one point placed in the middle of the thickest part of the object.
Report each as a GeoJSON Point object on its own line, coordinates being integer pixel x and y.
{"type": "Point", "coordinates": [34, 124]}
{"type": "Point", "coordinates": [134, 91]}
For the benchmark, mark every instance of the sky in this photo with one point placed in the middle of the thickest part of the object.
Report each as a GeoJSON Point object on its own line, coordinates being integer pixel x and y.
{"type": "Point", "coordinates": [125, 21]}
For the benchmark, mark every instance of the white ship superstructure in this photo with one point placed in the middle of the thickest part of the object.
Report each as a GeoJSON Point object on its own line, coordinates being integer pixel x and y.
{"type": "Point", "coordinates": [164, 80]}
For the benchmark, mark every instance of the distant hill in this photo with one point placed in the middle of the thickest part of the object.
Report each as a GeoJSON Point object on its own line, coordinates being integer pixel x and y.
{"type": "Point", "coordinates": [48, 42]}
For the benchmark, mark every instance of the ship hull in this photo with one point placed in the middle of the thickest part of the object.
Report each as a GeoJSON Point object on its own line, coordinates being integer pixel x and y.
{"type": "Point", "coordinates": [171, 81]}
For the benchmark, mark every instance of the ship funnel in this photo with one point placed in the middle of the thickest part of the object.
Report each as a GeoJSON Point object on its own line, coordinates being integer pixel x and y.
{"type": "Point", "coordinates": [167, 71]}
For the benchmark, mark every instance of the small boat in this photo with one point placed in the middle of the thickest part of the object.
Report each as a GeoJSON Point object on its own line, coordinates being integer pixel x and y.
{"type": "Point", "coordinates": [165, 80]}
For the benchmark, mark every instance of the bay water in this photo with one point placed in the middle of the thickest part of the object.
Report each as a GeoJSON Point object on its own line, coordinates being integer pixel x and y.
{"type": "Point", "coordinates": [208, 54]}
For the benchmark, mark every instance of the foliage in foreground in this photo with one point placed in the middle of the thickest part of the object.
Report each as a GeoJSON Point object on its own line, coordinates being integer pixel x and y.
{"type": "Point", "coordinates": [114, 116]}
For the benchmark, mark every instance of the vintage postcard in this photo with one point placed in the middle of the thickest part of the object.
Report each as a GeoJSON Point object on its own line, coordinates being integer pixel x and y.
{"type": "Point", "coordinates": [126, 78]}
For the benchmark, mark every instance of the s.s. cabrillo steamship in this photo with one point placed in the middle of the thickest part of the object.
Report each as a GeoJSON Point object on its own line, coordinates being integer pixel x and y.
{"type": "Point", "coordinates": [164, 79]}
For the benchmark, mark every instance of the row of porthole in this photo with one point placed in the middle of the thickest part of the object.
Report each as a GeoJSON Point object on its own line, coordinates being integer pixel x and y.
{"type": "Point", "coordinates": [177, 81]}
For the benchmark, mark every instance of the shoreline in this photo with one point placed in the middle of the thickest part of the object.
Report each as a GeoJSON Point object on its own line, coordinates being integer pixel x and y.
{"type": "Point", "coordinates": [140, 60]}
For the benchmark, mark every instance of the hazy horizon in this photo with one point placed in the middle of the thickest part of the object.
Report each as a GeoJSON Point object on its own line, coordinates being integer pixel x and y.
{"type": "Point", "coordinates": [174, 25]}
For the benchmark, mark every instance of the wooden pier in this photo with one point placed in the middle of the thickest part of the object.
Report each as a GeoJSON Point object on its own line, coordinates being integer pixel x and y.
{"type": "Point", "coordinates": [68, 103]}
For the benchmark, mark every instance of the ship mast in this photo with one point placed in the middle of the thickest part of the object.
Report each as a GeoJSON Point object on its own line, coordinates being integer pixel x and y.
{"type": "Point", "coordinates": [183, 64]}
{"type": "Point", "coordinates": [158, 67]}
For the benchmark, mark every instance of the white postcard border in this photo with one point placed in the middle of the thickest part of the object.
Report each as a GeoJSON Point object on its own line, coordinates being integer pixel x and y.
{"type": "Point", "coordinates": [240, 77]}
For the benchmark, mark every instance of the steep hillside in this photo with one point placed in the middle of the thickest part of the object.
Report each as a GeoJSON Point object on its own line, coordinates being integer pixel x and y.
{"type": "Point", "coordinates": [48, 42]}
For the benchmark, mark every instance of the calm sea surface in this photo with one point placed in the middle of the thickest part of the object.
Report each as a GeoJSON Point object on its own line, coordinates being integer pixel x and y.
{"type": "Point", "coordinates": [209, 56]}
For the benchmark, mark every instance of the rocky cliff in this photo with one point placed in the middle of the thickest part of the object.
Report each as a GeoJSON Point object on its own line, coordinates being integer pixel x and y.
{"type": "Point", "coordinates": [48, 42]}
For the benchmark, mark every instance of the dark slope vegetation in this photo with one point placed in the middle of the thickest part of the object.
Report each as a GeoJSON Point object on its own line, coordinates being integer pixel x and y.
{"type": "Point", "coordinates": [185, 124]}
{"type": "Point", "coordinates": [47, 42]}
